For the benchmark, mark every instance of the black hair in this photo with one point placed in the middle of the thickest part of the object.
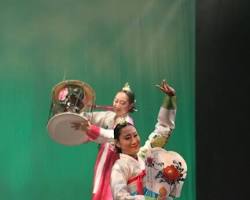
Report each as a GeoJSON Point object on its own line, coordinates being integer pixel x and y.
{"type": "Point", "coordinates": [117, 132]}
{"type": "Point", "coordinates": [131, 99]}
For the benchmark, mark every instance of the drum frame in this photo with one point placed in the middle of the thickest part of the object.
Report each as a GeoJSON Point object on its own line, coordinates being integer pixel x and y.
{"type": "Point", "coordinates": [57, 110]}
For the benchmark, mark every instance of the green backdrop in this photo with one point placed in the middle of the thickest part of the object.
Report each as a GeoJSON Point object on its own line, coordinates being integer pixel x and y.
{"type": "Point", "coordinates": [105, 44]}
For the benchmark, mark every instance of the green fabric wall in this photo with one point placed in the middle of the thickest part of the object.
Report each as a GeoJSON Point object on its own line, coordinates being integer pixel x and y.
{"type": "Point", "coordinates": [103, 43]}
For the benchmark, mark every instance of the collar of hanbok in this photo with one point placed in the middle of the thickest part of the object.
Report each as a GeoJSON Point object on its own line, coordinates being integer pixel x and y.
{"type": "Point", "coordinates": [138, 162]}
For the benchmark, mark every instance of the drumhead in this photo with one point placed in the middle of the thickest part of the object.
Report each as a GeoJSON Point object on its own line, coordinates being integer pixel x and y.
{"type": "Point", "coordinates": [60, 130]}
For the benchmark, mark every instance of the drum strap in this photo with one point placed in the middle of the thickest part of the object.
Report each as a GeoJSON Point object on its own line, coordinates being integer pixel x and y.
{"type": "Point", "coordinates": [50, 110]}
{"type": "Point", "coordinates": [138, 181]}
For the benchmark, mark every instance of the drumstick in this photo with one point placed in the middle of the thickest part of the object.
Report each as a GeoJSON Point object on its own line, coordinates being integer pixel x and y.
{"type": "Point", "coordinates": [101, 107]}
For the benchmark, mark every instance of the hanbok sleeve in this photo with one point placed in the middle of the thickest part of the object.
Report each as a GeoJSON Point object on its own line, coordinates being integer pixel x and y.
{"type": "Point", "coordinates": [101, 118]}
{"type": "Point", "coordinates": [101, 129]}
{"type": "Point", "coordinates": [119, 186]}
{"type": "Point", "coordinates": [164, 126]}
{"type": "Point", "coordinates": [100, 135]}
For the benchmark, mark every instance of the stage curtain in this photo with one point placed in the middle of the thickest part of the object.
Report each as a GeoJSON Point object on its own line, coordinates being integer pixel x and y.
{"type": "Point", "coordinates": [105, 44]}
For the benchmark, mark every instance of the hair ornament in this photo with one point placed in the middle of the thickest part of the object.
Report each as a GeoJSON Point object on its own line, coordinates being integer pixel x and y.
{"type": "Point", "coordinates": [126, 87]}
{"type": "Point", "coordinates": [121, 121]}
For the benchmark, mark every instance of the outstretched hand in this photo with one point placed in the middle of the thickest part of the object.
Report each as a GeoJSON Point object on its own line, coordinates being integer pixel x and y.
{"type": "Point", "coordinates": [83, 125]}
{"type": "Point", "coordinates": [167, 89]}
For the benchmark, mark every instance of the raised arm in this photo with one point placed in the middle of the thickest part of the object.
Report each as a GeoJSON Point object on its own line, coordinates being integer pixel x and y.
{"type": "Point", "coordinates": [99, 127]}
{"type": "Point", "coordinates": [95, 133]}
{"type": "Point", "coordinates": [165, 120]}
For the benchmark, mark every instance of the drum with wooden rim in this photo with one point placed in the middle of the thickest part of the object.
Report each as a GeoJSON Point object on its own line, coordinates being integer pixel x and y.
{"type": "Point", "coordinates": [70, 98]}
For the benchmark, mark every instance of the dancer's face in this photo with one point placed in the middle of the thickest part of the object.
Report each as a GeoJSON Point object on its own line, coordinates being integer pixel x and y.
{"type": "Point", "coordinates": [121, 104]}
{"type": "Point", "coordinates": [129, 141]}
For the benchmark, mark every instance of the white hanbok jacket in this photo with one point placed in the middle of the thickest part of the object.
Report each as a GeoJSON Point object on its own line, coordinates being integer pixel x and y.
{"type": "Point", "coordinates": [127, 172]}
{"type": "Point", "coordinates": [101, 132]}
